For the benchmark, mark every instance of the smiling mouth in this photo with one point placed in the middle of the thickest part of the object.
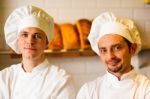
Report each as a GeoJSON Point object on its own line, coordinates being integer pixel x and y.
{"type": "Point", "coordinates": [113, 62]}
{"type": "Point", "coordinates": [30, 48]}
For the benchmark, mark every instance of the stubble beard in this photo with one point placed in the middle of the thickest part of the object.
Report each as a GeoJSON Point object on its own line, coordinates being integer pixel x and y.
{"type": "Point", "coordinates": [116, 69]}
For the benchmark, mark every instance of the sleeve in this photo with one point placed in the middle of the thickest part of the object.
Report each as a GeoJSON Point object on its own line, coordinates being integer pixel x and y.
{"type": "Point", "coordinates": [147, 96]}
{"type": "Point", "coordinates": [1, 86]}
{"type": "Point", "coordinates": [67, 91]}
{"type": "Point", "coordinates": [83, 92]}
{"type": "Point", "coordinates": [4, 90]}
{"type": "Point", "coordinates": [63, 86]}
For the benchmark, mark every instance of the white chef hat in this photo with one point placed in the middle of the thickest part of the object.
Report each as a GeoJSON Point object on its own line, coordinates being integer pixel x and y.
{"type": "Point", "coordinates": [24, 17]}
{"type": "Point", "coordinates": [107, 23]}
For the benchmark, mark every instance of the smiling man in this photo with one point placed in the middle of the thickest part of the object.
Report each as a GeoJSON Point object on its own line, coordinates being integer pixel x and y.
{"type": "Point", "coordinates": [116, 40]}
{"type": "Point", "coordinates": [28, 30]}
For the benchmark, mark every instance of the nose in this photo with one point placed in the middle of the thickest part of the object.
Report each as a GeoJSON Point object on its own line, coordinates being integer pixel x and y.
{"type": "Point", "coordinates": [30, 40]}
{"type": "Point", "coordinates": [110, 55]}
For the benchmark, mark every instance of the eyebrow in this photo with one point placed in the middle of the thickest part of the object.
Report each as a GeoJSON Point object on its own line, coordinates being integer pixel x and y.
{"type": "Point", "coordinates": [23, 32]}
{"type": "Point", "coordinates": [101, 48]}
{"type": "Point", "coordinates": [28, 32]}
{"type": "Point", "coordinates": [117, 44]}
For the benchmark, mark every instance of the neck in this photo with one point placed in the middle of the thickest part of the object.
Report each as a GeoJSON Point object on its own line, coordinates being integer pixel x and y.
{"type": "Point", "coordinates": [29, 64]}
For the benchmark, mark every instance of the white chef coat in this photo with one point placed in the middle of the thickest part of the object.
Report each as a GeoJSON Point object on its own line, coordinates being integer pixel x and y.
{"type": "Point", "coordinates": [131, 86]}
{"type": "Point", "coordinates": [44, 82]}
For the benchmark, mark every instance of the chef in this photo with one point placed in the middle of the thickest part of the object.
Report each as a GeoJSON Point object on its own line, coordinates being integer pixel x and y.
{"type": "Point", "coordinates": [28, 30]}
{"type": "Point", "coordinates": [116, 40]}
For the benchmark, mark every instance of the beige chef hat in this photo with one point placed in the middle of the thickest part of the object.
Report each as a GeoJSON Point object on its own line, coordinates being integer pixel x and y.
{"type": "Point", "coordinates": [107, 23]}
{"type": "Point", "coordinates": [23, 17]}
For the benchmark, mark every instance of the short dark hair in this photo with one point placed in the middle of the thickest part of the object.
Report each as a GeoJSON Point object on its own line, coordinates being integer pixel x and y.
{"type": "Point", "coordinates": [128, 42]}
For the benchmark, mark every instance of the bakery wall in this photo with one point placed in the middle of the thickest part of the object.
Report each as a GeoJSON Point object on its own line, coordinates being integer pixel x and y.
{"type": "Point", "coordinates": [84, 68]}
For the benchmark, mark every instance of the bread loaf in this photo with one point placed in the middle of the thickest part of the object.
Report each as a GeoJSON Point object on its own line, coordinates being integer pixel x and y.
{"type": "Point", "coordinates": [83, 27]}
{"type": "Point", "coordinates": [56, 42]}
{"type": "Point", "coordinates": [70, 36]}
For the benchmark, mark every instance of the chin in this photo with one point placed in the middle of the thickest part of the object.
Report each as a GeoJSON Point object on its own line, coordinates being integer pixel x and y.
{"type": "Point", "coordinates": [29, 57]}
{"type": "Point", "coordinates": [115, 69]}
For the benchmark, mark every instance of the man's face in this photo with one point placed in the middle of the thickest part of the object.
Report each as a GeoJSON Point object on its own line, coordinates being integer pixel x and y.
{"type": "Point", "coordinates": [115, 53]}
{"type": "Point", "coordinates": [32, 42]}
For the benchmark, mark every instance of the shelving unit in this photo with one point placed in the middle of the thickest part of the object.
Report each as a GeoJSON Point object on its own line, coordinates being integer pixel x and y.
{"type": "Point", "coordinates": [57, 53]}
{"type": "Point", "coordinates": [77, 52]}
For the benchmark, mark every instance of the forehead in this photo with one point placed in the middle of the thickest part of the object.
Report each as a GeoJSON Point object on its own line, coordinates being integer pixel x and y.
{"type": "Point", "coordinates": [33, 30]}
{"type": "Point", "coordinates": [110, 39]}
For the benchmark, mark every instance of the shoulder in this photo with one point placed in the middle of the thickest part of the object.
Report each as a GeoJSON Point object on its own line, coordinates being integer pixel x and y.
{"type": "Point", "coordinates": [90, 87]}
{"type": "Point", "coordinates": [143, 81]}
{"type": "Point", "coordinates": [95, 83]}
{"type": "Point", "coordinates": [59, 72]}
{"type": "Point", "coordinates": [140, 78]}
{"type": "Point", "coordinates": [9, 70]}
{"type": "Point", "coordinates": [143, 85]}
{"type": "Point", "coordinates": [8, 73]}
{"type": "Point", "coordinates": [62, 82]}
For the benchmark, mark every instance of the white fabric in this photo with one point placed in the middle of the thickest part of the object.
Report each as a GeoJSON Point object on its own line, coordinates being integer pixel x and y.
{"type": "Point", "coordinates": [115, 28]}
{"type": "Point", "coordinates": [131, 86]}
{"type": "Point", "coordinates": [108, 23]}
{"type": "Point", "coordinates": [33, 21]}
{"type": "Point", "coordinates": [24, 17]}
{"type": "Point", "coordinates": [45, 82]}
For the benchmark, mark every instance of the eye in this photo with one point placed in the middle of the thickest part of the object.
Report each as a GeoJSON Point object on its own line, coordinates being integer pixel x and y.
{"type": "Point", "coordinates": [103, 51]}
{"type": "Point", "coordinates": [24, 35]}
{"type": "Point", "coordinates": [117, 48]}
{"type": "Point", "coordinates": [37, 36]}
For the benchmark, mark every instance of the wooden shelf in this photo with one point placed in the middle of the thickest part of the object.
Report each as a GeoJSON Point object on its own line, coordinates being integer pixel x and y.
{"type": "Point", "coordinates": [6, 52]}
{"type": "Point", "coordinates": [57, 53]}
{"type": "Point", "coordinates": [77, 52]}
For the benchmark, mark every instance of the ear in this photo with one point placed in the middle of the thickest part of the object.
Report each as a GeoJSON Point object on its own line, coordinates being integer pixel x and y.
{"type": "Point", "coordinates": [133, 48]}
{"type": "Point", "coordinates": [47, 44]}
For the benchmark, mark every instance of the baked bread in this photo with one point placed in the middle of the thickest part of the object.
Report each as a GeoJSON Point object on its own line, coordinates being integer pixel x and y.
{"type": "Point", "coordinates": [83, 27]}
{"type": "Point", "coordinates": [70, 36]}
{"type": "Point", "coordinates": [56, 42]}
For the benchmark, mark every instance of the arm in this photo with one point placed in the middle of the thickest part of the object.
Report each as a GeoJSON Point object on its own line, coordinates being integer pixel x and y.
{"type": "Point", "coordinates": [4, 88]}
{"type": "Point", "coordinates": [83, 92]}
{"type": "Point", "coordinates": [147, 95]}
{"type": "Point", "coordinates": [67, 91]}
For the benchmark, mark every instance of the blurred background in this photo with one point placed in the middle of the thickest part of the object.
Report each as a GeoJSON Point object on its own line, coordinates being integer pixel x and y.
{"type": "Point", "coordinates": [83, 67]}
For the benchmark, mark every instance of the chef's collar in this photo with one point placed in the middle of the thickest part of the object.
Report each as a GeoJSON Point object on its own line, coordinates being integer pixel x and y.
{"type": "Point", "coordinates": [124, 77]}
{"type": "Point", "coordinates": [38, 68]}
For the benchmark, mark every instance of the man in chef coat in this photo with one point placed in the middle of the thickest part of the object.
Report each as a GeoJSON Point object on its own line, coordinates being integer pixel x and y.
{"type": "Point", "coordinates": [28, 30]}
{"type": "Point", "coordinates": [116, 40]}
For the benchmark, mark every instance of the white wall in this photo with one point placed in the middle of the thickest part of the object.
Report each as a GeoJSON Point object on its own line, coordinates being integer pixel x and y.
{"type": "Point", "coordinates": [82, 68]}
